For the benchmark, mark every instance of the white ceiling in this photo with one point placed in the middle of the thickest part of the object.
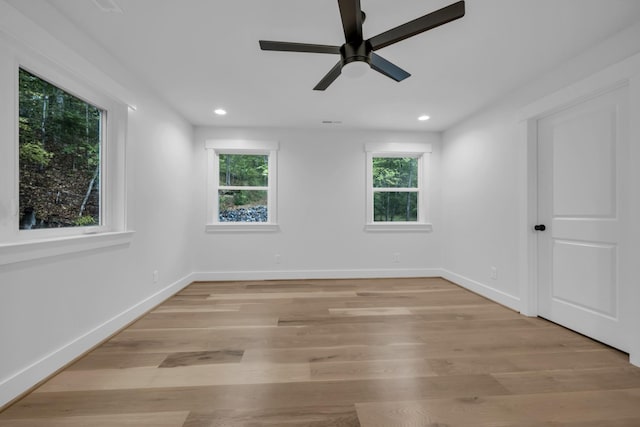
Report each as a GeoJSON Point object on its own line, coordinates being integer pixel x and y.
{"type": "Point", "coordinates": [203, 54]}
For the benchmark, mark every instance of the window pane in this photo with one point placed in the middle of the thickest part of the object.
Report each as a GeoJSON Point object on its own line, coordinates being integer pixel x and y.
{"type": "Point", "coordinates": [244, 170]}
{"type": "Point", "coordinates": [59, 157]}
{"type": "Point", "coordinates": [395, 172]}
{"type": "Point", "coordinates": [395, 206]}
{"type": "Point", "coordinates": [242, 205]}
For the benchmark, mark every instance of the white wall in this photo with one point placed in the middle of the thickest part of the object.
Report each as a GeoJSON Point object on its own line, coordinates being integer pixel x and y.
{"type": "Point", "coordinates": [480, 205]}
{"type": "Point", "coordinates": [484, 179]}
{"type": "Point", "coordinates": [321, 212]}
{"type": "Point", "coordinates": [54, 309]}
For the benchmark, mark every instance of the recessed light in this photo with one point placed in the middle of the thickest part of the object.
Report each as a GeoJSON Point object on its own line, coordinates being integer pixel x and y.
{"type": "Point", "coordinates": [220, 111]}
{"type": "Point", "coordinates": [423, 118]}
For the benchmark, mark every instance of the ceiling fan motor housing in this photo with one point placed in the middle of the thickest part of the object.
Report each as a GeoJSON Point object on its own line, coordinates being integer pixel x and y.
{"type": "Point", "coordinates": [352, 53]}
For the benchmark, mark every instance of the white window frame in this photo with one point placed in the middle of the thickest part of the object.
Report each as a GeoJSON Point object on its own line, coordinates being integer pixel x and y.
{"type": "Point", "coordinates": [24, 245]}
{"type": "Point", "coordinates": [419, 151]}
{"type": "Point", "coordinates": [216, 147]}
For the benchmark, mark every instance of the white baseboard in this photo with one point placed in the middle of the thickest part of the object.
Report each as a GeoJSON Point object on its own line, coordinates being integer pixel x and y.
{"type": "Point", "coordinates": [315, 274]}
{"type": "Point", "coordinates": [484, 290]}
{"type": "Point", "coordinates": [17, 384]}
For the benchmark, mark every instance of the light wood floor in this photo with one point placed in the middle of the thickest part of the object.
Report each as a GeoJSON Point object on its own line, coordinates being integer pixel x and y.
{"type": "Point", "coordinates": [370, 353]}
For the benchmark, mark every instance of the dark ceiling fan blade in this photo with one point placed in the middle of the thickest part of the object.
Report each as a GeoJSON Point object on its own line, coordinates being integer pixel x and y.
{"type": "Point", "coordinates": [298, 47]}
{"type": "Point", "coordinates": [351, 14]}
{"type": "Point", "coordinates": [387, 68]}
{"type": "Point", "coordinates": [417, 26]}
{"type": "Point", "coordinates": [329, 77]}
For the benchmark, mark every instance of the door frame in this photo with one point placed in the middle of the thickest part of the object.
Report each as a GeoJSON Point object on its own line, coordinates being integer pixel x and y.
{"type": "Point", "coordinates": [624, 73]}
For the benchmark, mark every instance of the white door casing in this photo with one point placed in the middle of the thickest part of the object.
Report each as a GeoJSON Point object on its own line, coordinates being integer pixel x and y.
{"type": "Point", "coordinates": [581, 166]}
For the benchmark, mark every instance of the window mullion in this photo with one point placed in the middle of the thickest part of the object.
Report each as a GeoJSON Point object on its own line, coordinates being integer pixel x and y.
{"type": "Point", "coordinates": [396, 190]}
{"type": "Point", "coordinates": [241, 187]}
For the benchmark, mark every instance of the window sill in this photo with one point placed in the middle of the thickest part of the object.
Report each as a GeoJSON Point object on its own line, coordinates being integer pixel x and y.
{"type": "Point", "coordinates": [15, 252]}
{"type": "Point", "coordinates": [242, 227]}
{"type": "Point", "coordinates": [398, 227]}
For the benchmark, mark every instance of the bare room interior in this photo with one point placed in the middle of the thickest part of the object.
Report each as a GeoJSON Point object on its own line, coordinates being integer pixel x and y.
{"type": "Point", "coordinates": [319, 213]}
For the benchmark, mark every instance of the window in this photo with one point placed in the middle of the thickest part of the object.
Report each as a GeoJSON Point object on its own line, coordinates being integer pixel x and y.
{"type": "Point", "coordinates": [62, 168]}
{"type": "Point", "coordinates": [241, 188]}
{"type": "Point", "coordinates": [396, 187]}
{"type": "Point", "coordinates": [59, 140]}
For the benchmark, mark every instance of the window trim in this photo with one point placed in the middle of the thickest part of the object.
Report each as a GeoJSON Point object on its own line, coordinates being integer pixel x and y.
{"type": "Point", "coordinates": [214, 148]}
{"type": "Point", "coordinates": [416, 150]}
{"type": "Point", "coordinates": [42, 243]}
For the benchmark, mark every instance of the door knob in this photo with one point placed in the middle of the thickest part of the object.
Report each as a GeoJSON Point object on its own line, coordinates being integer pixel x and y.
{"type": "Point", "coordinates": [539, 227]}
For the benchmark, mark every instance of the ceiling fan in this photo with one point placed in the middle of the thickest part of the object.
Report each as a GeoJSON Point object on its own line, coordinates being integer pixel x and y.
{"type": "Point", "coordinates": [356, 49]}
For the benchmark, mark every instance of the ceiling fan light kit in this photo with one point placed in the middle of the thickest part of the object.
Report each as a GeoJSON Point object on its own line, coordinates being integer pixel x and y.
{"type": "Point", "coordinates": [357, 50]}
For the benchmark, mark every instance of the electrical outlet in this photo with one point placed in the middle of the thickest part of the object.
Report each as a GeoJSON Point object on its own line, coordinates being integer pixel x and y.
{"type": "Point", "coordinates": [277, 258]}
{"type": "Point", "coordinates": [396, 257]}
{"type": "Point", "coordinates": [493, 273]}
{"type": "Point", "coordinates": [155, 276]}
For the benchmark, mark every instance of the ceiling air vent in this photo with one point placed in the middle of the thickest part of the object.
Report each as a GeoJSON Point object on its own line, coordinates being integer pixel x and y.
{"type": "Point", "coordinates": [109, 6]}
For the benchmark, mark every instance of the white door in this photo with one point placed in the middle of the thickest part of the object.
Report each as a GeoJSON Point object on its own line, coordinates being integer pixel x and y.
{"type": "Point", "coordinates": [579, 201]}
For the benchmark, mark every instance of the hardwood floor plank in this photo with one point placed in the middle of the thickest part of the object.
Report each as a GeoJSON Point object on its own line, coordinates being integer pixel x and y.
{"type": "Point", "coordinates": [309, 316]}
{"type": "Point", "coordinates": [207, 308]}
{"type": "Point", "coordinates": [202, 320]}
{"type": "Point", "coordinates": [372, 311]}
{"type": "Point", "coordinates": [611, 408]}
{"type": "Point", "coordinates": [202, 358]}
{"type": "Point", "coordinates": [316, 416]}
{"type": "Point", "coordinates": [382, 327]}
{"type": "Point", "coordinates": [549, 381]}
{"type": "Point", "coordinates": [280, 295]}
{"type": "Point", "coordinates": [403, 368]}
{"type": "Point", "coordinates": [588, 359]}
{"type": "Point", "coordinates": [190, 376]}
{"type": "Point", "coordinates": [159, 419]}
{"type": "Point", "coordinates": [96, 360]}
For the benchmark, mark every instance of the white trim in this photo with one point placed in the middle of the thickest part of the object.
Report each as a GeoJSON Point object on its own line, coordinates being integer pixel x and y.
{"type": "Point", "coordinates": [207, 276]}
{"type": "Point", "coordinates": [23, 251]}
{"type": "Point", "coordinates": [398, 226]}
{"type": "Point", "coordinates": [242, 145]}
{"type": "Point", "coordinates": [528, 216]}
{"type": "Point", "coordinates": [239, 227]}
{"type": "Point", "coordinates": [398, 147]}
{"type": "Point", "coordinates": [486, 291]}
{"type": "Point", "coordinates": [238, 187]}
{"type": "Point", "coordinates": [31, 375]}
{"type": "Point", "coordinates": [602, 81]}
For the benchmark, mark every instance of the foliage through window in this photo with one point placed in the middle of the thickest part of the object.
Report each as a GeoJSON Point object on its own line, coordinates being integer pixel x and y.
{"type": "Point", "coordinates": [60, 138]}
{"type": "Point", "coordinates": [395, 189]}
{"type": "Point", "coordinates": [243, 188]}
